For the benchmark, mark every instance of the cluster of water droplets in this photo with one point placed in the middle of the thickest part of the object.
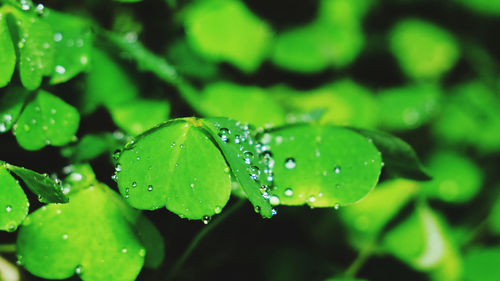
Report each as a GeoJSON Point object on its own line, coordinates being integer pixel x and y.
{"type": "Point", "coordinates": [256, 156]}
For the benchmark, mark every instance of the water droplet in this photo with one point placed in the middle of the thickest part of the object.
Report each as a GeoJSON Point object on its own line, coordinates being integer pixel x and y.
{"type": "Point", "coordinates": [60, 69]}
{"type": "Point", "coordinates": [290, 163]}
{"type": "Point", "coordinates": [336, 170]}
{"type": "Point", "coordinates": [39, 9]}
{"type": "Point", "coordinates": [3, 127]}
{"type": "Point", "coordinates": [114, 177]}
{"type": "Point", "coordinates": [8, 209]}
{"type": "Point", "coordinates": [150, 188]}
{"type": "Point", "coordinates": [218, 209]}
{"type": "Point", "coordinates": [76, 177]}
{"type": "Point", "coordinates": [79, 270]}
{"type": "Point", "coordinates": [237, 139]}
{"type": "Point", "coordinates": [247, 156]}
{"type": "Point", "coordinates": [142, 252]}
{"type": "Point", "coordinates": [224, 134]}
{"type": "Point", "coordinates": [134, 184]}
{"type": "Point", "coordinates": [336, 206]}
{"type": "Point", "coordinates": [116, 154]}
{"type": "Point", "coordinates": [257, 209]}
{"type": "Point", "coordinates": [312, 199]}
{"type": "Point", "coordinates": [124, 250]}
{"type": "Point", "coordinates": [274, 200]}
{"type": "Point", "coordinates": [118, 168]}
{"type": "Point", "coordinates": [254, 172]}
{"type": "Point", "coordinates": [274, 212]}
{"type": "Point", "coordinates": [25, 6]}
{"type": "Point", "coordinates": [65, 236]}
{"type": "Point", "coordinates": [206, 219]}
{"type": "Point", "coordinates": [288, 192]}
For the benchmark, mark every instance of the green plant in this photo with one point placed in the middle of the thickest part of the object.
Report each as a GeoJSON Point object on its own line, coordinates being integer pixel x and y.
{"type": "Point", "coordinates": [308, 171]}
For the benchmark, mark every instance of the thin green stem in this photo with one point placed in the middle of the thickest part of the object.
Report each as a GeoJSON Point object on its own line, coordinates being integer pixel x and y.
{"type": "Point", "coordinates": [7, 248]}
{"type": "Point", "coordinates": [148, 61]}
{"type": "Point", "coordinates": [360, 260]}
{"type": "Point", "coordinates": [196, 240]}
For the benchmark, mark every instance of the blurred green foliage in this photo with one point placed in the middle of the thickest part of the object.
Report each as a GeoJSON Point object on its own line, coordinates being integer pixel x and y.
{"type": "Point", "coordinates": [82, 79]}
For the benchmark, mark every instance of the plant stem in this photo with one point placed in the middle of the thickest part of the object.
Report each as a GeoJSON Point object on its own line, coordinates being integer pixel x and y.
{"type": "Point", "coordinates": [360, 260]}
{"type": "Point", "coordinates": [148, 61]}
{"type": "Point", "coordinates": [196, 240]}
{"type": "Point", "coordinates": [7, 248]}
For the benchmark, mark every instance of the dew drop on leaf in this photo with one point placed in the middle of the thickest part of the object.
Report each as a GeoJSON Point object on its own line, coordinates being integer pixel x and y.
{"type": "Point", "coordinates": [206, 219]}
{"type": "Point", "coordinates": [274, 200]}
{"type": "Point", "coordinates": [224, 134]}
{"type": "Point", "coordinates": [254, 172]}
{"type": "Point", "coordinates": [78, 270]}
{"type": "Point", "coordinates": [8, 209]}
{"type": "Point", "coordinates": [150, 188]}
{"type": "Point", "coordinates": [247, 156]}
{"type": "Point", "coordinates": [288, 192]}
{"type": "Point", "coordinates": [290, 163]}
{"type": "Point", "coordinates": [336, 170]}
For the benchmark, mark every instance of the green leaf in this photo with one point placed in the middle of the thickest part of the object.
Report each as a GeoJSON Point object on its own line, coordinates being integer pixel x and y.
{"type": "Point", "coordinates": [72, 44]}
{"type": "Point", "coordinates": [11, 104]}
{"type": "Point", "coordinates": [90, 147]}
{"type": "Point", "coordinates": [423, 50]}
{"type": "Point", "coordinates": [344, 103]}
{"type": "Point", "coordinates": [431, 248]}
{"type": "Point", "coordinates": [408, 107]}
{"type": "Point", "coordinates": [47, 189]}
{"type": "Point", "coordinates": [322, 166]}
{"type": "Point", "coordinates": [107, 83]}
{"type": "Point", "coordinates": [470, 116]}
{"type": "Point", "coordinates": [8, 58]}
{"type": "Point", "coordinates": [249, 162]}
{"type": "Point", "coordinates": [456, 178]}
{"type": "Point", "coordinates": [238, 102]}
{"type": "Point", "coordinates": [14, 204]}
{"type": "Point", "coordinates": [137, 116]}
{"type": "Point", "coordinates": [314, 47]}
{"type": "Point", "coordinates": [93, 236]}
{"type": "Point", "coordinates": [398, 156]}
{"type": "Point", "coordinates": [226, 30]}
{"type": "Point", "coordinates": [175, 165]}
{"type": "Point", "coordinates": [367, 218]}
{"type": "Point", "coordinates": [79, 177]}
{"type": "Point", "coordinates": [36, 52]}
{"type": "Point", "coordinates": [46, 120]}
{"type": "Point", "coordinates": [189, 63]}
{"type": "Point", "coordinates": [480, 264]}
{"type": "Point", "coordinates": [344, 12]}
{"type": "Point", "coordinates": [486, 7]}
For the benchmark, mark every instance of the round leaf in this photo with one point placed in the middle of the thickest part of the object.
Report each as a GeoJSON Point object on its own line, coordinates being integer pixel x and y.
{"type": "Point", "coordinates": [46, 120]}
{"type": "Point", "coordinates": [227, 31]}
{"type": "Point", "coordinates": [11, 104]}
{"type": "Point", "coordinates": [423, 50]}
{"type": "Point", "coordinates": [14, 204]}
{"type": "Point", "coordinates": [72, 43]}
{"type": "Point", "coordinates": [137, 116]}
{"type": "Point", "coordinates": [88, 236]}
{"type": "Point", "coordinates": [36, 52]}
{"type": "Point", "coordinates": [322, 166]}
{"type": "Point", "coordinates": [177, 166]}
{"type": "Point", "coordinates": [455, 178]}
{"type": "Point", "coordinates": [235, 101]}
{"type": "Point", "coordinates": [8, 57]}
